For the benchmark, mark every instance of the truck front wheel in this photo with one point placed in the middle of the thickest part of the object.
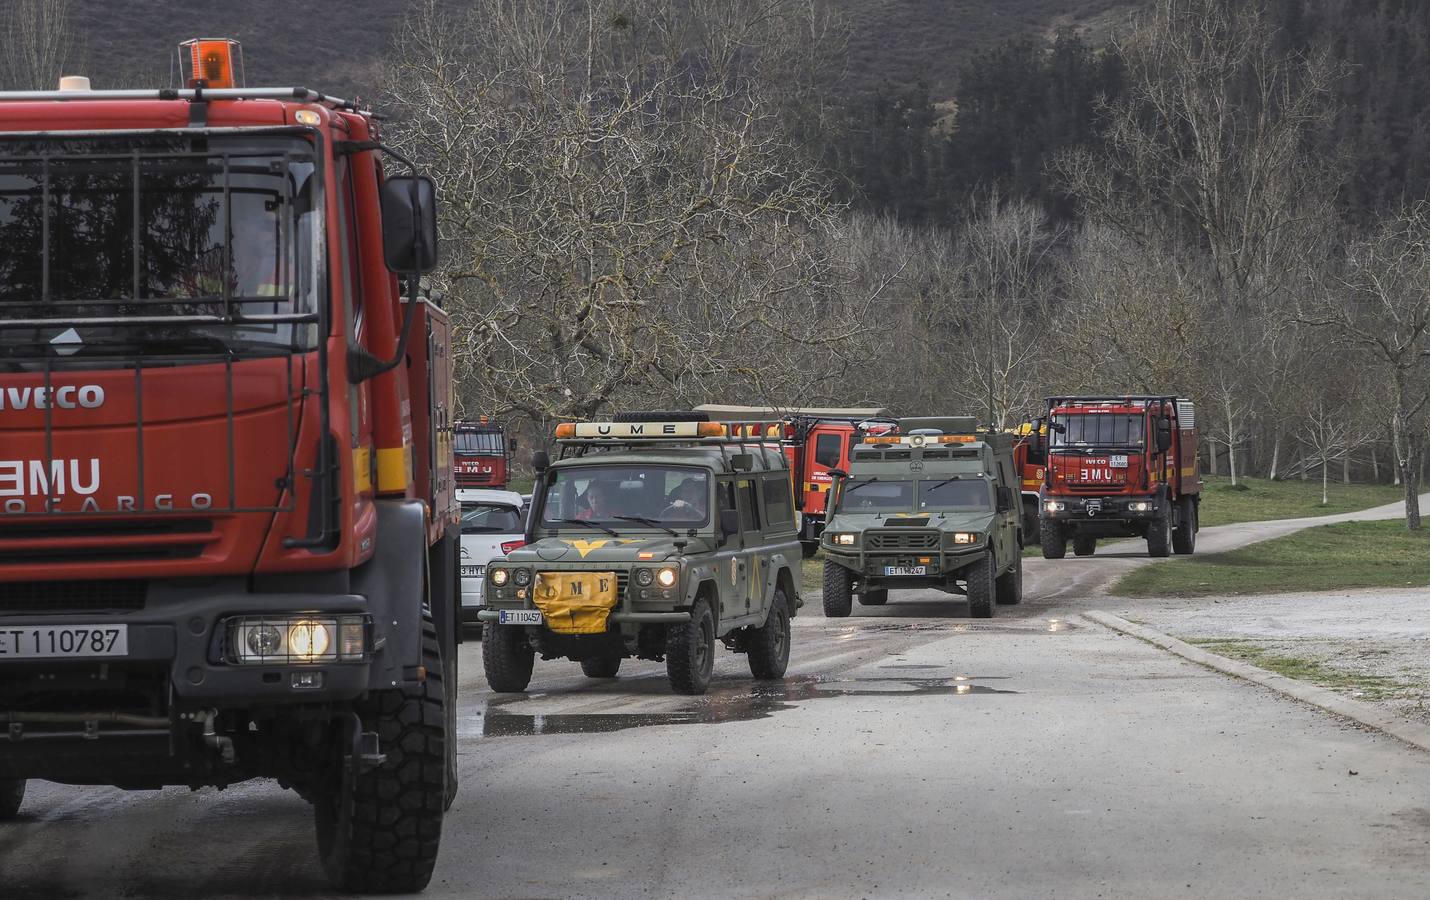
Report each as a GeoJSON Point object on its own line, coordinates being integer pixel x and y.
{"type": "Point", "coordinates": [1159, 534]}
{"type": "Point", "coordinates": [838, 590]}
{"type": "Point", "coordinates": [982, 587]}
{"type": "Point", "coordinates": [12, 794]}
{"type": "Point", "coordinates": [1054, 539]}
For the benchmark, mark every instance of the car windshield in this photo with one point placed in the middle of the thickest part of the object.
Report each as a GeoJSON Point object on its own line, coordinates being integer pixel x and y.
{"type": "Point", "coordinates": [876, 495]}
{"type": "Point", "coordinates": [490, 518]}
{"type": "Point", "coordinates": [967, 494]}
{"type": "Point", "coordinates": [1098, 430]}
{"type": "Point", "coordinates": [191, 234]}
{"type": "Point", "coordinates": [628, 497]}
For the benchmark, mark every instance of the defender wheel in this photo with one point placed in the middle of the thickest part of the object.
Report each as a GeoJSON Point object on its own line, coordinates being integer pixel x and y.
{"type": "Point", "coordinates": [379, 830]}
{"type": "Point", "coordinates": [12, 794]}
{"type": "Point", "coordinates": [1159, 535]}
{"type": "Point", "coordinates": [1084, 545]}
{"type": "Point", "coordinates": [982, 587]}
{"type": "Point", "coordinates": [874, 598]}
{"type": "Point", "coordinates": [1184, 538]}
{"type": "Point", "coordinates": [601, 666]}
{"type": "Point", "coordinates": [1054, 539]}
{"type": "Point", "coordinates": [507, 658]}
{"type": "Point", "coordinates": [690, 651]}
{"type": "Point", "coordinates": [1010, 584]}
{"type": "Point", "coordinates": [838, 590]}
{"type": "Point", "coordinates": [769, 644]}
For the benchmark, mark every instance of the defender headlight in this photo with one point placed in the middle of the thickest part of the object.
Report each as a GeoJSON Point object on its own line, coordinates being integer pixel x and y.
{"type": "Point", "coordinates": [644, 577]}
{"type": "Point", "coordinates": [1054, 505]}
{"type": "Point", "coordinates": [522, 577]}
{"type": "Point", "coordinates": [500, 577]}
{"type": "Point", "coordinates": [965, 537]}
{"type": "Point", "coordinates": [267, 640]}
{"type": "Point", "coordinates": [844, 539]}
{"type": "Point", "coordinates": [1140, 506]}
{"type": "Point", "coordinates": [667, 577]}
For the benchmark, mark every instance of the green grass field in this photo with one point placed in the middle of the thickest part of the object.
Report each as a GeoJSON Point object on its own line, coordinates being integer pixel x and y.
{"type": "Point", "coordinates": [1327, 557]}
{"type": "Point", "coordinates": [1371, 687]}
{"type": "Point", "coordinates": [1259, 500]}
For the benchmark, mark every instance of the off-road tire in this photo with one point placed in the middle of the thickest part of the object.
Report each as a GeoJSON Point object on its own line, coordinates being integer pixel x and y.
{"type": "Point", "coordinates": [1084, 545]}
{"type": "Point", "coordinates": [690, 651]}
{"type": "Point", "coordinates": [982, 587]}
{"type": "Point", "coordinates": [12, 794]}
{"type": "Point", "coordinates": [660, 415]}
{"type": "Point", "coordinates": [1009, 588]}
{"type": "Point", "coordinates": [1054, 539]}
{"type": "Point", "coordinates": [838, 590]}
{"type": "Point", "coordinates": [1184, 537]}
{"type": "Point", "coordinates": [1159, 534]}
{"type": "Point", "coordinates": [601, 666]}
{"type": "Point", "coordinates": [507, 658]}
{"type": "Point", "coordinates": [768, 646]}
{"type": "Point", "coordinates": [807, 549]}
{"type": "Point", "coordinates": [874, 598]}
{"type": "Point", "coordinates": [379, 830]}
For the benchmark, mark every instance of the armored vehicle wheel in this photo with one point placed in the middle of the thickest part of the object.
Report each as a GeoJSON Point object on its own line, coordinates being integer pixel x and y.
{"type": "Point", "coordinates": [874, 598]}
{"type": "Point", "coordinates": [690, 651]}
{"type": "Point", "coordinates": [1054, 539]}
{"type": "Point", "coordinates": [1084, 545]}
{"type": "Point", "coordinates": [1159, 535]}
{"type": "Point", "coordinates": [838, 591]}
{"type": "Point", "coordinates": [982, 587]}
{"type": "Point", "coordinates": [661, 415]}
{"type": "Point", "coordinates": [379, 830]}
{"type": "Point", "coordinates": [1184, 537]}
{"type": "Point", "coordinates": [601, 666]}
{"type": "Point", "coordinates": [12, 794]}
{"type": "Point", "coordinates": [1010, 584]}
{"type": "Point", "coordinates": [507, 658]}
{"type": "Point", "coordinates": [769, 644]}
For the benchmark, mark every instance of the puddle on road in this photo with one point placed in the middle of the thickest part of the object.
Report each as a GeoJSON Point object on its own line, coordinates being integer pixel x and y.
{"type": "Point", "coordinates": [894, 626]}
{"type": "Point", "coordinates": [735, 704]}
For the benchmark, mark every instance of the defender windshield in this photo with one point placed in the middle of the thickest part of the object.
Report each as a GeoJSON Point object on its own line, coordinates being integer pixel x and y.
{"type": "Point", "coordinates": [490, 518]}
{"type": "Point", "coordinates": [479, 443]}
{"type": "Point", "coordinates": [157, 247]}
{"type": "Point", "coordinates": [963, 494]}
{"type": "Point", "coordinates": [626, 497]}
{"type": "Point", "coordinates": [1098, 430]}
{"type": "Point", "coordinates": [876, 495]}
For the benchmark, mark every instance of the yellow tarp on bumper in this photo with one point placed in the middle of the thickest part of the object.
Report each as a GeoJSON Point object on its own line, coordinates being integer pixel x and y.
{"type": "Point", "coordinates": [575, 602]}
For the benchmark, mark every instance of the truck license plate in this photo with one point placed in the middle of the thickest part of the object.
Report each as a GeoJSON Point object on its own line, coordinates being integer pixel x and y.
{"type": "Point", "coordinates": [474, 571]}
{"type": "Point", "coordinates": [64, 641]}
{"type": "Point", "coordinates": [904, 571]}
{"type": "Point", "coordinates": [1117, 462]}
{"type": "Point", "coordinates": [519, 617]}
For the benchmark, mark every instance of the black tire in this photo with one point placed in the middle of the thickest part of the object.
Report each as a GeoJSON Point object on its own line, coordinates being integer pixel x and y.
{"type": "Point", "coordinates": [769, 644]}
{"type": "Point", "coordinates": [601, 666]}
{"type": "Point", "coordinates": [1054, 538]}
{"type": "Point", "coordinates": [379, 830]}
{"type": "Point", "coordinates": [690, 651]}
{"type": "Point", "coordinates": [807, 549]}
{"type": "Point", "coordinates": [1009, 588]}
{"type": "Point", "coordinates": [1084, 545]}
{"type": "Point", "coordinates": [874, 598]}
{"type": "Point", "coordinates": [1159, 534]}
{"type": "Point", "coordinates": [507, 658]}
{"type": "Point", "coordinates": [12, 794]}
{"type": "Point", "coordinates": [1184, 537]}
{"type": "Point", "coordinates": [661, 415]}
{"type": "Point", "coordinates": [982, 587]}
{"type": "Point", "coordinates": [838, 590]}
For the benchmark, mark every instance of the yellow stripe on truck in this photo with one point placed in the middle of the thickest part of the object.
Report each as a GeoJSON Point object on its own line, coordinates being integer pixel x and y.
{"type": "Point", "coordinates": [394, 469]}
{"type": "Point", "coordinates": [362, 470]}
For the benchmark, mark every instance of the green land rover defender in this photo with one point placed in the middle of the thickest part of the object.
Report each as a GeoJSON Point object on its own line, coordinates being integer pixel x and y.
{"type": "Point", "coordinates": [934, 506]}
{"type": "Point", "coordinates": [649, 538]}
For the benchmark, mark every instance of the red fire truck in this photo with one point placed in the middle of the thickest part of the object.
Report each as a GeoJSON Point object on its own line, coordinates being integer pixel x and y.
{"type": "Point", "coordinates": [816, 440]}
{"type": "Point", "coordinates": [482, 454]}
{"type": "Point", "coordinates": [1030, 457]}
{"type": "Point", "coordinates": [227, 527]}
{"type": "Point", "coordinates": [1120, 467]}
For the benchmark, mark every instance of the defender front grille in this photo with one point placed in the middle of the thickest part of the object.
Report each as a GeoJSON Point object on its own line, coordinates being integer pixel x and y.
{"type": "Point", "coordinates": [72, 596]}
{"type": "Point", "coordinates": [902, 540]}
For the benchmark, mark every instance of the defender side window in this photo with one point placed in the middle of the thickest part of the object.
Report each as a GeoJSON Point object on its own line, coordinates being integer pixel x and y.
{"type": "Point", "coordinates": [828, 450]}
{"type": "Point", "coordinates": [779, 505]}
{"type": "Point", "coordinates": [749, 507]}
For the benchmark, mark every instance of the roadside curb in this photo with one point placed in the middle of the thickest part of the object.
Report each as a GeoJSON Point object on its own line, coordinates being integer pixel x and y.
{"type": "Point", "coordinates": [1417, 736]}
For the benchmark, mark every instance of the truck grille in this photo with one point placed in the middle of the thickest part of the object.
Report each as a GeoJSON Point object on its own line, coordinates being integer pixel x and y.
{"type": "Point", "coordinates": [71, 596]}
{"type": "Point", "coordinates": [902, 540]}
{"type": "Point", "coordinates": [60, 542]}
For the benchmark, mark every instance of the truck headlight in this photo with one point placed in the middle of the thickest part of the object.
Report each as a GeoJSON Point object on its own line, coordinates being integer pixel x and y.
{"type": "Point", "coordinates": [254, 640]}
{"type": "Point", "coordinates": [965, 537]}
{"type": "Point", "coordinates": [1140, 506]}
{"type": "Point", "coordinates": [667, 577]}
{"type": "Point", "coordinates": [522, 577]}
{"type": "Point", "coordinates": [843, 539]}
{"type": "Point", "coordinates": [500, 577]}
{"type": "Point", "coordinates": [1054, 505]}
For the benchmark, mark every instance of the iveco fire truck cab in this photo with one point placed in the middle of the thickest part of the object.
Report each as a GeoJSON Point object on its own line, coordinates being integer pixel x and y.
{"type": "Point", "coordinates": [482, 455]}
{"type": "Point", "coordinates": [227, 528]}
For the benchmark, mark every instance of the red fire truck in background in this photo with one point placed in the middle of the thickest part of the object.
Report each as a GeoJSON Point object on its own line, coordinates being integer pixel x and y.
{"type": "Point", "coordinates": [1030, 457]}
{"type": "Point", "coordinates": [227, 527]}
{"type": "Point", "coordinates": [1120, 467]}
{"type": "Point", "coordinates": [816, 440]}
{"type": "Point", "coordinates": [482, 454]}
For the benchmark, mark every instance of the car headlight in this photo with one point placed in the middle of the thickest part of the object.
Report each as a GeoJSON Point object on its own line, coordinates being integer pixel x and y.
{"type": "Point", "coordinates": [644, 577]}
{"type": "Point", "coordinates": [500, 577]}
{"type": "Point", "coordinates": [1140, 506]}
{"type": "Point", "coordinates": [965, 537]}
{"type": "Point", "coordinates": [1054, 505]}
{"type": "Point", "coordinates": [667, 577]}
{"type": "Point", "coordinates": [266, 640]}
{"type": "Point", "coordinates": [844, 539]}
{"type": "Point", "coordinates": [522, 577]}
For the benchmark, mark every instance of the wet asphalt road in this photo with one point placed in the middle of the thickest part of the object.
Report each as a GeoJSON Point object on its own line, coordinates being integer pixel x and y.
{"type": "Point", "coordinates": [910, 752]}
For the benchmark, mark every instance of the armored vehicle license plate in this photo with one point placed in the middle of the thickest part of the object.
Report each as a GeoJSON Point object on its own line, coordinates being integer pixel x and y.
{"type": "Point", "coordinates": [904, 571]}
{"type": "Point", "coordinates": [519, 617]}
{"type": "Point", "coordinates": [63, 641]}
{"type": "Point", "coordinates": [474, 571]}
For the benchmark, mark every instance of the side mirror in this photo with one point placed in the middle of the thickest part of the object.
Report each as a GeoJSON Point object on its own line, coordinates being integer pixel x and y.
{"type": "Point", "coordinates": [729, 523]}
{"type": "Point", "coordinates": [838, 473]}
{"type": "Point", "coordinates": [540, 461]}
{"type": "Point", "coordinates": [1164, 435]}
{"type": "Point", "coordinates": [1005, 499]}
{"type": "Point", "coordinates": [409, 224]}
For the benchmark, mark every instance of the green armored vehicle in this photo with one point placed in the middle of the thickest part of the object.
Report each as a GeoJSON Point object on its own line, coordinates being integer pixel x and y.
{"type": "Point", "coordinates": [649, 539]}
{"type": "Point", "coordinates": [935, 506]}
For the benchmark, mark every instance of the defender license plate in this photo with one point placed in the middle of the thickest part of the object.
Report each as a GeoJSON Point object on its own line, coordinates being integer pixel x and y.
{"type": "Point", "coordinates": [519, 617]}
{"type": "Point", "coordinates": [63, 641]}
{"type": "Point", "coordinates": [904, 571]}
{"type": "Point", "coordinates": [474, 571]}
{"type": "Point", "coordinates": [1117, 462]}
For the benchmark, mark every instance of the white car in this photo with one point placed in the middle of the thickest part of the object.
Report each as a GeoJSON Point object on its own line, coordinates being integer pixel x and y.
{"type": "Point", "coordinates": [493, 525]}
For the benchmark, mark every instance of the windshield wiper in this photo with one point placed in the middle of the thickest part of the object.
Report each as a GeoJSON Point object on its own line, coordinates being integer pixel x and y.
{"type": "Point", "coordinates": [859, 485]}
{"type": "Point", "coordinates": [937, 485]}
{"type": "Point", "coordinates": [650, 522]}
{"type": "Point", "coordinates": [606, 528]}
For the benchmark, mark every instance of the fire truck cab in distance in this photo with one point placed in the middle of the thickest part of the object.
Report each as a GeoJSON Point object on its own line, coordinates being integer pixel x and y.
{"type": "Point", "coordinates": [1120, 467]}
{"type": "Point", "coordinates": [228, 547]}
{"type": "Point", "coordinates": [482, 455]}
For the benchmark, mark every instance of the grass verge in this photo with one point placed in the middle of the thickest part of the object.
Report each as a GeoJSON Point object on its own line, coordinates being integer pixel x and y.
{"type": "Point", "coordinates": [812, 575]}
{"type": "Point", "coordinates": [1260, 500]}
{"type": "Point", "coordinates": [1327, 557]}
{"type": "Point", "coordinates": [1370, 687]}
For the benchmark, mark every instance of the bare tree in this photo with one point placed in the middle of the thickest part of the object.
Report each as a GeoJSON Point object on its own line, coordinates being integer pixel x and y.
{"type": "Point", "coordinates": [39, 44]}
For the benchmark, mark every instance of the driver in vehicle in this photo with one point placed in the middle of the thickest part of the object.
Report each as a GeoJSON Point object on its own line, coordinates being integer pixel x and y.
{"type": "Point", "coordinates": [600, 502]}
{"type": "Point", "coordinates": [686, 502]}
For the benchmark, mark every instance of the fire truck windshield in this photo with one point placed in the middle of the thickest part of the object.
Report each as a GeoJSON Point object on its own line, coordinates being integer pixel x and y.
{"type": "Point", "coordinates": [479, 443]}
{"type": "Point", "coordinates": [157, 246]}
{"type": "Point", "coordinates": [1098, 430]}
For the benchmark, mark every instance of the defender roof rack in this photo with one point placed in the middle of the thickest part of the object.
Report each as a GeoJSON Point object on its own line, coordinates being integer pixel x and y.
{"type": "Point", "coordinates": [300, 94]}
